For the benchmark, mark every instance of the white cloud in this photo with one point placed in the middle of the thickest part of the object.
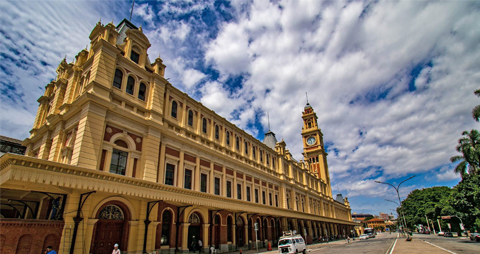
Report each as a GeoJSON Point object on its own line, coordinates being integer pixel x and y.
{"type": "Point", "coordinates": [447, 174]}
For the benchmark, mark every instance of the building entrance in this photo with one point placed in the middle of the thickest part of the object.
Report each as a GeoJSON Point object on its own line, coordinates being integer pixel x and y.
{"type": "Point", "coordinates": [109, 230]}
{"type": "Point", "coordinates": [240, 234]}
{"type": "Point", "coordinates": [194, 231]}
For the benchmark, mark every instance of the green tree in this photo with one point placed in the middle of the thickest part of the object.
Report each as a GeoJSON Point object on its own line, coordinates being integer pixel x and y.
{"type": "Point", "coordinates": [469, 146]}
{"type": "Point", "coordinates": [476, 109]}
{"type": "Point", "coordinates": [465, 199]}
{"type": "Point", "coordinates": [432, 202]}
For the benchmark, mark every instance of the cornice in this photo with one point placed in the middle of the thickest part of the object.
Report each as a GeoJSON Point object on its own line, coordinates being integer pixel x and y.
{"type": "Point", "coordinates": [32, 170]}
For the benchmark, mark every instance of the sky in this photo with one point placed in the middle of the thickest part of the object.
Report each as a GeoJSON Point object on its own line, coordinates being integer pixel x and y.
{"type": "Point", "coordinates": [391, 81]}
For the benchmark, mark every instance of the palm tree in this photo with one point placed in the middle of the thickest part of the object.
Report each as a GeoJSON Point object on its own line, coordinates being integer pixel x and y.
{"type": "Point", "coordinates": [476, 109]}
{"type": "Point", "coordinates": [469, 146]}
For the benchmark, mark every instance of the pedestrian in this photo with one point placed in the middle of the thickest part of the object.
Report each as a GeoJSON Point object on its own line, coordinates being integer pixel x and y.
{"type": "Point", "coordinates": [193, 245]}
{"type": "Point", "coordinates": [116, 250]}
{"type": "Point", "coordinates": [348, 239]}
{"type": "Point", "coordinates": [199, 246]}
{"type": "Point", "coordinates": [50, 250]}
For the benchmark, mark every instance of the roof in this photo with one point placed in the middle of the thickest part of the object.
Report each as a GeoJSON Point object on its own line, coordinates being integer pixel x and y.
{"type": "Point", "coordinates": [11, 140]}
{"type": "Point", "coordinates": [270, 140]}
{"type": "Point", "coordinates": [375, 220]}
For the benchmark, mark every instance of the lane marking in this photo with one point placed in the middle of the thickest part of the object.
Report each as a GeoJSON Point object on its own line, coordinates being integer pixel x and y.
{"type": "Point", "coordinates": [392, 246]}
{"type": "Point", "coordinates": [440, 247]}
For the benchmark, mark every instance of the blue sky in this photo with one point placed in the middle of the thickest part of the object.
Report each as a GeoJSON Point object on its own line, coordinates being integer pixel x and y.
{"type": "Point", "coordinates": [391, 81]}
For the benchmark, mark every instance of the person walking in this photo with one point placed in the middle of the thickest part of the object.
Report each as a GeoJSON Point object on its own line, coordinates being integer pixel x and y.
{"type": "Point", "coordinates": [116, 250]}
{"type": "Point", "coordinates": [199, 245]}
{"type": "Point", "coordinates": [50, 250]}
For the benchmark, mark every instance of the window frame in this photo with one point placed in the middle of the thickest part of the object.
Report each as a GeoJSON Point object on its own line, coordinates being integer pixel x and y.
{"type": "Point", "coordinates": [174, 109]}
{"type": "Point", "coordinates": [217, 134]}
{"type": "Point", "coordinates": [217, 186]}
{"type": "Point", "coordinates": [189, 179]}
{"type": "Point", "coordinates": [202, 183]}
{"type": "Point", "coordinates": [249, 194]}
{"type": "Point", "coordinates": [172, 171]}
{"type": "Point", "coordinates": [190, 118]}
{"type": "Point", "coordinates": [130, 78]}
{"type": "Point", "coordinates": [142, 97]}
{"type": "Point", "coordinates": [115, 77]}
{"type": "Point", "coordinates": [134, 56]}
{"type": "Point", "coordinates": [125, 156]}
{"type": "Point", "coordinates": [229, 189]}
{"type": "Point", "coordinates": [204, 125]}
{"type": "Point", "coordinates": [239, 191]}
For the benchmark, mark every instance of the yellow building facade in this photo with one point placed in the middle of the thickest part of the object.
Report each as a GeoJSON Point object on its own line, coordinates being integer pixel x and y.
{"type": "Point", "coordinates": [117, 154]}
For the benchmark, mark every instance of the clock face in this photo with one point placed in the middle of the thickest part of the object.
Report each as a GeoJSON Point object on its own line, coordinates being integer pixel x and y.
{"type": "Point", "coordinates": [311, 141]}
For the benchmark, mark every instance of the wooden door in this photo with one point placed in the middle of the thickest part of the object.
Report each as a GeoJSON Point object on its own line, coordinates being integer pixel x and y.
{"type": "Point", "coordinates": [107, 234]}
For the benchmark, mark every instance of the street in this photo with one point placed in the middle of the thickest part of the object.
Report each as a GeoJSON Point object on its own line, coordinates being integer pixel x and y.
{"type": "Point", "coordinates": [383, 243]}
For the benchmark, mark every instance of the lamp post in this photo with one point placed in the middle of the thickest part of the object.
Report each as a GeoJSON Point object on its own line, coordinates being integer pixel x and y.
{"type": "Point", "coordinates": [398, 195]}
{"type": "Point", "coordinates": [398, 216]}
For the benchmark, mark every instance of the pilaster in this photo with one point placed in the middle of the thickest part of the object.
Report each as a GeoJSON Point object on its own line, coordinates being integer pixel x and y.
{"type": "Point", "coordinates": [151, 147]}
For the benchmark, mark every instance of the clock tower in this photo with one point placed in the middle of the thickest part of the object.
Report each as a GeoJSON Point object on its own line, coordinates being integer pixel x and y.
{"type": "Point", "coordinates": [313, 148]}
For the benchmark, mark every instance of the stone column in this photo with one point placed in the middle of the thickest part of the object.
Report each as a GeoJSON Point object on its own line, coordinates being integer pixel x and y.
{"type": "Point", "coordinates": [150, 153]}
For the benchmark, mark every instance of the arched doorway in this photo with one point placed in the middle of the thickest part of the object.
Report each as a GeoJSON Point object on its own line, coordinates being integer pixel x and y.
{"type": "Point", "coordinates": [229, 229]}
{"type": "Point", "coordinates": [194, 229]}
{"type": "Point", "coordinates": [164, 230]}
{"type": "Point", "coordinates": [111, 228]}
{"type": "Point", "coordinates": [240, 234]}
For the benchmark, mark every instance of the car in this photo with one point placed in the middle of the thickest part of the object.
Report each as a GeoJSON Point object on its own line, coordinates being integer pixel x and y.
{"type": "Point", "coordinates": [475, 237]}
{"type": "Point", "coordinates": [291, 243]}
{"type": "Point", "coordinates": [363, 237]}
{"type": "Point", "coordinates": [448, 234]}
{"type": "Point", "coordinates": [440, 233]}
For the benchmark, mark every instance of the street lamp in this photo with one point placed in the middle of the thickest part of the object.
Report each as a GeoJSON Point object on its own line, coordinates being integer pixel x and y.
{"type": "Point", "coordinates": [401, 224]}
{"type": "Point", "coordinates": [398, 195]}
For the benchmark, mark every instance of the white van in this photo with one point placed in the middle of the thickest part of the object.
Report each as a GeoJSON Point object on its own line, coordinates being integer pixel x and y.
{"type": "Point", "coordinates": [290, 243]}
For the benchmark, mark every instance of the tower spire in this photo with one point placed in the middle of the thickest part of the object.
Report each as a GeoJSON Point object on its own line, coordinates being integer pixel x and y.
{"type": "Point", "coordinates": [131, 12]}
{"type": "Point", "coordinates": [268, 119]}
{"type": "Point", "coordinates": [306, 95]}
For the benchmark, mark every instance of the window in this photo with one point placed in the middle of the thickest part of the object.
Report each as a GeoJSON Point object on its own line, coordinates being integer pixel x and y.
{"type": "Point", "coordinates": [264, 199]}
{"type": "Point", "coordinates": [217, 186]}
{"type": "Point", "coordinates": [276, 200]}
{"type": "Point", "coordinates": [229, 189]}
{"type": "Point", "coordinates": [203, 183]}
{"type": "Point", "coordinates": [169, 174]}
{"type": "Point", "coordinates": [217, 135]}
{"type": "Point", "coordinates": [119, 162]}
{"type": "Point", "coordinates": [130, 85]}
{"type": "Point", "coordinates": [270, 198]}
{"type": "Point", "coordinates": [248, 193]}
{"type": "Point", "coordinates": [166, 222]}
{"type": "Point", "coordinates": [142, 91]}
{"type": "Point", "coordinates": [239, 191]}
{"type": "Point", "coordinates": [174, 109]}
{"type": "Point", "coordinates": [117, 80]}
{"type": "Point", "coordinates": [134, 56]}
{"type": "Point", "coordinates": [188, 179]}
{"type": "Point", "coordinates": [204, 125]}
{"type": "Point", "coordinates": [256, 196]}
{"type": "Point", "coordinates": [268, 159]}
{"type": "Point", "coordinates": [273, 162]}
{"type": "Point", "coordinates": [253, 152]}
{"type": "Point", "coordinates": [261, 156]}
{"type": "Point", "coordinates": [228, 138]}
{"type": "Point", "coordinates": [246, 147]}
{"type": "Point", "coordinates": [190, 118]}
{"type": "Point", "coordinates": [238, 143]}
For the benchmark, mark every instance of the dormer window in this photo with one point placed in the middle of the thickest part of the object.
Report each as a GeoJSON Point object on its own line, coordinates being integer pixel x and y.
{"type": "Point", "coordinates": [134, 56]}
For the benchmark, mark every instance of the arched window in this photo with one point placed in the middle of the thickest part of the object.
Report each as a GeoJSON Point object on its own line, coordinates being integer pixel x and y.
{"type": "Point", "coordinates": [118, 164]}
{"type": "Point", "coordinates": [166, 222]}
{"type": "Point", "coordinates": [190, 118]}
{"type": "Point", "coordinates": [217, 135]}
{"type": "Point", "coordinates": [204, 125]}
{"type": "Point", "coordinates": [130, 85]}
{"type": "Point", "coordinates": [238, 143]}
{"type": "Point", "coordinates": [228, 138]}
{"type": "Point", "coordinates": [117, 80]}
{"type": "Point", "coordinates": [174, 109]}
{"type": "Point", "coordinates": [142, 91]}
{"type": "Point", "coordinates": [121, 143]}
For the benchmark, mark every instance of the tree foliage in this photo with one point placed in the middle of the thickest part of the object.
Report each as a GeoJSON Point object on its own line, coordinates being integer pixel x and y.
{"type": "Point", "coordinates": [465, 200]}
{"type": "Point", "coordinates": [476, 109]}
{"type": "Point", "coordinates": [469, 146]}
{"type": "Point", "coordinates": [432, 202]}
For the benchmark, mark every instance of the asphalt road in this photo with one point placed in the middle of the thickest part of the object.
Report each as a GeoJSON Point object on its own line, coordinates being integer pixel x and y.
{"type": "Point", "coordinates": [452, 244]}
{"type": "Point", "coordinates": [380, 244]}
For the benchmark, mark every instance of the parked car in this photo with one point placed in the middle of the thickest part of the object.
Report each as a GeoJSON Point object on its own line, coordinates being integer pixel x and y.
{"type": "Point", "coordinates": [363, 237]}
{"type": "Point", "coordinates": [440, 233]}
{"type": "Point", "coordinates": [290, 243]}
{"type": "Point", "coordinates": [475, 237]}
{"type": "Point", "coordinates": [448, 234]}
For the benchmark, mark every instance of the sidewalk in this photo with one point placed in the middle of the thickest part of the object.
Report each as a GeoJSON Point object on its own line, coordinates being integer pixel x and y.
{"type": "Point", "coordinates": [416, 246]}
